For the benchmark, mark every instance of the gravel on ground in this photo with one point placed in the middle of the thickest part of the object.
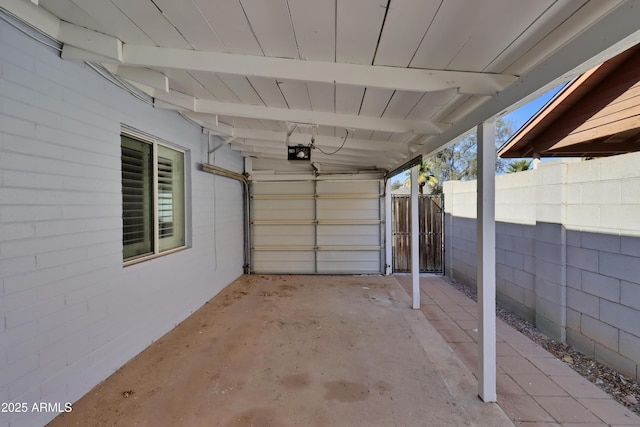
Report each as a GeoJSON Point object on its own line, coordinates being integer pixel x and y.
{"type": "Point", "coordinates": [623, 389]}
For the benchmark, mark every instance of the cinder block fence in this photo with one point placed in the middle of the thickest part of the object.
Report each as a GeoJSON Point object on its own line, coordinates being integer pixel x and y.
{"type": "Point", "coordinates": [567, 251]}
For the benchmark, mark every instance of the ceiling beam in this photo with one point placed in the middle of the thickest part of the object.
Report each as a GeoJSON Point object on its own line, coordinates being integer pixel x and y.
{"type": "Point", "coordinates": [77, 54]}
{"type": "Point", "coordinates": [610, 35]}
{"type": "Point", "coordinates": [207, 121]}
{"type": "Point", "coordinates": [145, 76]}
{"type": "Point", "coordinates": [210, 123]}
{"type": "Point", "coordinates": [326, 142]}
{"type": "Point", "coordinates": [384, 77]}
{"type": "Point", "coordinates": [36, 16]}
{"type": "Point", "coordinates": [379, 162]}
{"type": "Point", "coordinates": [88, 40]}
{"type": "Point", "coordinates": [318, 117]}
{"type": "Point", "coordinates": [171, 100]}
{"type": "Point", "coordinates": [253, 145]}
{"type": "Point", "coordinates": [354, 153]}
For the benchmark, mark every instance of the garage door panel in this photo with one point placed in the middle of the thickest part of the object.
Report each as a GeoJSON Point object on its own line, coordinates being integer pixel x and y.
{"type": "Point", "coordinates": [329, 235]}
{"type": "Point", "coordinates": [348, 204]}
{"type": "Point", "coordinates": [321, 227]}
{"type": "Point", "coordinates": [351, 214]}
{"type": "Point", "coordinates": [355, 187]}
{"type": "Point", "coordinates": [283, 210]}
{"type": "Point", "coordinates": [348, 256]}
{"type": "Point", "coordinates": [351, 267]}
{"type": "Point", "coordinates": [284, 261]}
{"type": "Point", "coordinates": [348, 261]}
{"type": "Point", "coordinates": [269, 235]}
{"type": "Point", "coordinates": [290, 187]}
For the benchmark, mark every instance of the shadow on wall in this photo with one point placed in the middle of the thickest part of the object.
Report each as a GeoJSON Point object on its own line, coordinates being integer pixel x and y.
{"type": "Point", "coordinates": [577, 286]}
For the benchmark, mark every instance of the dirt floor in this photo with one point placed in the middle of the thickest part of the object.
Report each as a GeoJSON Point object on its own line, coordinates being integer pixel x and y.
{"type": "Point", "coordinates": [294, 351]}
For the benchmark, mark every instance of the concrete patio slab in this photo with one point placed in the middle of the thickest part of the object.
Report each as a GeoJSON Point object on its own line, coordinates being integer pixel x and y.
{"type": "Point", "coordinates": [294, 351]}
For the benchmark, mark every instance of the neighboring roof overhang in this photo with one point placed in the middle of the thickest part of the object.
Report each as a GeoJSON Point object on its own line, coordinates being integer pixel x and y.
{"type": "Point", "coordinates": [597, 114]}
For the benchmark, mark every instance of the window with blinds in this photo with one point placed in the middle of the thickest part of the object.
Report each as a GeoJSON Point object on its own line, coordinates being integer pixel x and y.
{"type": "Point", "coordinates": [153, 188]}
{"type": "Point", "coordinates": [165, 197]}
{"type": "Point", "coordinates": [137, 198]}
{"type": "Point", "coordinates": [170, 198]}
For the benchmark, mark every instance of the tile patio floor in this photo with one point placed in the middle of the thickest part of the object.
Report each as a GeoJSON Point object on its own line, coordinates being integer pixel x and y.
{"type": "Point", "coordinates": [534, 388]}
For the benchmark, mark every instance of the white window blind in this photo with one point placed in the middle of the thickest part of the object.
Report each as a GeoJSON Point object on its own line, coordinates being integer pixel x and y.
{"type": "Point", "coordinates": [153, 195]}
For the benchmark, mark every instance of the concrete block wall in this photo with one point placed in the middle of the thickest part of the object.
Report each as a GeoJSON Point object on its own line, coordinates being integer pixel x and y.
{"type": "Point", "coordinates": [70, 313]}
{"type": "Point", "coordinates": [549, 273]}
{"type": "Point", "coordinates": [515, 267]}
{"type": "Point", "coordinates": [603, 298]}
{"type": "Point", "coordinates": [567, 251]}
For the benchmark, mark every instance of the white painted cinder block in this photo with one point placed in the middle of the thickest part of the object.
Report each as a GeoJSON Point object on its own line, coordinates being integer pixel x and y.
{"type": "Point", "coordinates": [618, 167]}
{"type": "Point", "coordinates": [588, 171]}
{"type": "Point", "coordinates": [603, 192]}
{"type": "Point", "coordinates": [70, 313]}
{"type": "Point", "coordinates": [582, 216]}
{"type": "Point", "coordinates": [630, 191]}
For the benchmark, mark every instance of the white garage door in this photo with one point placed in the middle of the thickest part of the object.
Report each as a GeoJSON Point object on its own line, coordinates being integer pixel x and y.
{"type": "Point", "coordinates": [316, 227]}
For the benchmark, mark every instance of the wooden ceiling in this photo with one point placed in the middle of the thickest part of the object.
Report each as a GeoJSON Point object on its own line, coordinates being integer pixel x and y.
{"type": "Point", "coordinates": [405, 77]}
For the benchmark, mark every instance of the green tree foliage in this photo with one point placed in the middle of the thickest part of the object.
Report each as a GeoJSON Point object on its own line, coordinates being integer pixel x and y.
{"type": "Point", "coordinates": [518, 166]}
{"type": "Point", "coordinates": [424, 178]}
{"type": "Point", "coordinates": [460, 160]}
{"type": "Point", "coordinates": [395, 185]}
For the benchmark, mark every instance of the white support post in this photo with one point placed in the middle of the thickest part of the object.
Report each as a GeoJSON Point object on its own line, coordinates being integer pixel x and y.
{"type": "Point", "coordinates": [388, 244]}
{"type": "Point", "coordinates": [486, 261]}
{"type": "Point", "coordinates": [415, 231]}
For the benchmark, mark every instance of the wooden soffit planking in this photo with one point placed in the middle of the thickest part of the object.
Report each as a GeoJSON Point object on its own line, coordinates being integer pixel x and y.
{"type": "Point", "coordinates": [597, 114]}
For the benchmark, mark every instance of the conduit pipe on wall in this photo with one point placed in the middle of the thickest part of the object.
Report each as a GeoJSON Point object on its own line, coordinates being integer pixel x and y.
{"type": "Point", "coordinates": [216, 170]}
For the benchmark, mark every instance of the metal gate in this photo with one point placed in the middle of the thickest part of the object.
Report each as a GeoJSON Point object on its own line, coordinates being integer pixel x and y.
{"type": "Point", "coordinates": [431, 236]}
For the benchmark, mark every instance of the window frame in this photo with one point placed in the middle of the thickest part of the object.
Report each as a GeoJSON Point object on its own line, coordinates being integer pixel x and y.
{"type": "Point", "coordinates": [154, 143]}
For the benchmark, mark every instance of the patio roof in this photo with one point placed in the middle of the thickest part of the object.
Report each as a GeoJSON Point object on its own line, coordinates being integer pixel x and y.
{"type": "Point", "coordinates": [595, 115]}
{"type": "Point", "coordinates": [404, 78]}
{"type": "Point", "coordinates": [369, 86]}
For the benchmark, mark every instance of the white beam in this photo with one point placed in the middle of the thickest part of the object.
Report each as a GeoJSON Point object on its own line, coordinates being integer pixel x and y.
{"type": "Point", "coordinates": [317, 117]}
{"type": "Point", "coordinates": [415, 238]}
{"type": "Point", "coordinates": [76, 54]}
{"type": "Point", "coordinates": [173, 100]}
{"type": "Point", "coordinates": [363, 163]}
{"type": "Point", "coordinates": [145, 76]}
{"type": "Point", "coordinates": [177, 99]}
{"type": "Point", "coordinates": [610, 35]}
{"type": "Point", "coordinates": [486, 261]}
{"type": "Point", "coordinates": [36, 16]}
{"type": "Point", "coordinates": [209, 122]}
{"type": "Point", "coordinates": [91, 41]}
{"type": "Point", "coordinates": [388, 244]}
{"type": "Point", "coordinates": [356, 157]}
{"type": "Point", "coordinates": [417, 80]}
{"type": "Point", "coordinates": [256, 136]}
{"type": "Point", "coordinates": [264, 146]}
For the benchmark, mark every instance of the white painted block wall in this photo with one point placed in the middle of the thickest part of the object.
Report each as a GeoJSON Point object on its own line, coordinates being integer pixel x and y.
{"type": "Point", "coordinates": [567, 251]}
{"type": "Point", "coordinates": [70, 314]}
